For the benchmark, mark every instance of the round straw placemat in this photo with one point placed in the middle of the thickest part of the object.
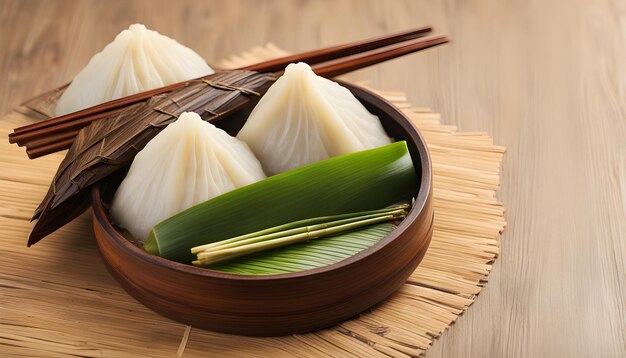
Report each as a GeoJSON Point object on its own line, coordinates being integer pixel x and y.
{"type": "Point", "coordinates": [57, 298]}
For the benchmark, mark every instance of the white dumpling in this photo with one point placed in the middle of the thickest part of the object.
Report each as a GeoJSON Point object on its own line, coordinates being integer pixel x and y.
{"type": "Point", "coordinates": [137, 60]}
{"type": "Point", "coordinates": [189, 162]}
{"type": "Point", "coordinates": [304, 118]}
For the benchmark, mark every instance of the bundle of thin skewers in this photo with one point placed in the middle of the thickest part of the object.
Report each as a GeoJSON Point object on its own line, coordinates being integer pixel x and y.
{"type": "Point", "coordinates": [284, 191]}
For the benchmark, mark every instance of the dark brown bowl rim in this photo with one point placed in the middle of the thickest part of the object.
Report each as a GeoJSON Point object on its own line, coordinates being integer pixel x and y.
{"type": "Point", "coordinates": [417, 208]}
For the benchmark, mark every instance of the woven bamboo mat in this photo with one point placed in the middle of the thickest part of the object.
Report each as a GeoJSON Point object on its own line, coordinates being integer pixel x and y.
{"type": "Point", "coordinates": [57, 298]}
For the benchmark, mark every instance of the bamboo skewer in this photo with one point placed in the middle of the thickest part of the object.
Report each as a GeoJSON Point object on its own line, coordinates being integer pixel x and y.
{"type": "Point", "coordinates": [56, 134]}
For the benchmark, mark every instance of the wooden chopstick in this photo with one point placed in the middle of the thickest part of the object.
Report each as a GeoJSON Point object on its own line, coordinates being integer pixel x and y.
{"type": "Point", "coordinates": [359, 61]}
{"type": "Point", "coordinates": [25, 138]}
{"type": "Point", "coordinates": [339, 51]}
{"type": "Point", "coordinates": [53, 138]}
{"type": "Point", "coordinates": [311, 57]}
{"type": "Point", "coordinates": [60, 138]}
{"type": "Point", "coordinates": [334, 68]}
{"type": "Point", "coordinates": [106, 106]}
{"type": "Point", "coordinates": [49, 148]}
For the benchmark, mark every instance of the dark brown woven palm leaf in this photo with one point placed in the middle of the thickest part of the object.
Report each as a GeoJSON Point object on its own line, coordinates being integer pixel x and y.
{"type": "Point", "coordinates": [110, 144]}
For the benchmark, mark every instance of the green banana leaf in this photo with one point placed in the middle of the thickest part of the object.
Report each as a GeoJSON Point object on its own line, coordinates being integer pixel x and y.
{"type": "Point", "coordinates": [361, 181]}
{"type": "Point", "coordinates": [307, 255]}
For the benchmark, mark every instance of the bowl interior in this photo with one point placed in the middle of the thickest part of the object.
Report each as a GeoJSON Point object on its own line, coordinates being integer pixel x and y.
{"type": "Point", "coordinates": [395, 123]}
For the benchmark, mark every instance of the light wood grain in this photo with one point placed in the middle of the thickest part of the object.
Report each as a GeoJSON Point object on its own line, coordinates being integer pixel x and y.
{"type": "Point", "coordinates": [545, 78]}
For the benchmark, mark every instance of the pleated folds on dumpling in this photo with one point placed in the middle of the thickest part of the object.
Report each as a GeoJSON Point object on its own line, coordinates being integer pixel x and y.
{"type": "Point", "coordinates": [304, 118]}
{"type": "Point", "coordinates": [137, 60]}
{"type": "Point", "coordinates": [189, 162]}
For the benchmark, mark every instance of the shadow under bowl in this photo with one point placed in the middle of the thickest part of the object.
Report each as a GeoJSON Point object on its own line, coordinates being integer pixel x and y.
{"type": "Point", "coordinates": [274, 305]}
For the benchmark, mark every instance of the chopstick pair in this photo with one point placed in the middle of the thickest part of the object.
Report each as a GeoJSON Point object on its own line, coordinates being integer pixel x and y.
{"type": "Point", "coordinates": [58, 133]}
{"type": "Point", "coordinates": [276, 65]}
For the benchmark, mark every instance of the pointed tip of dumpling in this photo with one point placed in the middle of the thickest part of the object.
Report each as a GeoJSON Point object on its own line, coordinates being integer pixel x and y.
{"type": "Point", "coordinates": [189, 116]}
{"type": "Point", "coordinates": [187, 126]}
{"type": "Point", "coordinates": [299, 68]}
{"type": "Point", "coordinates": [193, 123]}
{"type": "Point", "coordinates": [131, 32]}
{"type": "Point", "coordinates": [298, 74]}
{"type": "Point", "coordinates": [137, 27]}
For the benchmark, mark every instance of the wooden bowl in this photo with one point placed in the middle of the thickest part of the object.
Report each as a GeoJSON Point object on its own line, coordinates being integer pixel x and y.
{"type": "Point", "coordinates": [273, 305]}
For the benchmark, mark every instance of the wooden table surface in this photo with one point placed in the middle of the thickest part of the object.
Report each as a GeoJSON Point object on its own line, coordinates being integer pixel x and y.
{"type": "Point", "coordinates": [545, 78]}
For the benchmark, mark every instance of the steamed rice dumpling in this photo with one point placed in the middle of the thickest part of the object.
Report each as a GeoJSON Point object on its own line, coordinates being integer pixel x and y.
{"type": "Point", "coordinates": [187, 163]}
{"type": "Point", "coordinates": [304, 118]}
{"type": "Point", "coordinates": [137, 60]}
